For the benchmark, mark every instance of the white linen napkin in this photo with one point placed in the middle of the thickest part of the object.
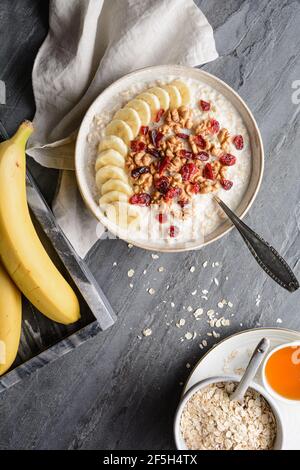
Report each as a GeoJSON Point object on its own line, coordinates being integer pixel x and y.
{"type": "Point", "coordinates": [90, 44]}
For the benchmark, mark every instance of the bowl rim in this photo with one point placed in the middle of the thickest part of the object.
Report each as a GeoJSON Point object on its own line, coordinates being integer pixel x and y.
{"type": "Point", "coordinates": [115, 230]}
{"type": "Point", "coordinates": [280, 437]}
{"type": "Point", "coordinates": [266, 384]}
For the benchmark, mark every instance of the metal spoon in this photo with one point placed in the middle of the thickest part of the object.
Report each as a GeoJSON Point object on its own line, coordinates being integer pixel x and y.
{"type": "Point", "coordinates": [254, 363]}
{"type": "Point", "coordinates": [265, 255]}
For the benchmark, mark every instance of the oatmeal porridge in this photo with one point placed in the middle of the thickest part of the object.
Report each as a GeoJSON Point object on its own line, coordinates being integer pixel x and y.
{"type": "Point", "coordinates": [161, 152]}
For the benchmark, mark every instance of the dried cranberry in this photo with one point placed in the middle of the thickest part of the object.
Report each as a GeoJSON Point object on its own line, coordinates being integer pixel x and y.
{"type": "Point", "coordinates": [162, 184]}
{"type": "Point", "coordinates": [208, 172]}
{"type": "Point", "coordinates": [195, 188]}
{"type": "Point", "coordinates": [202, 156]}
{"type": "Point", "coordinates": [155, 153]}
{"type": "Point", "coordinates": [188, 171]}
{"type": "Point", "coordinates": [186, 153]}
{"type": "Point", "coordinates": [205, 105]}
{"type": "Point", "coordinates": [159, 115]}
{"type": "Point", "coordinates": [226, 184]}
{"type": "Point", "coordinates": [140, 199]}
{"type": "Point", "coordinates": [238, 142]}
{"type": "Point", "coordinates": [200, 141]}
{"type": "Point", "coordinates": [183, 202]}
{"type": "Point", "coordinates": [162, 218]}
{"type": "Point", "coordinates": [172, 193]}
{"type": "Point", "coordinates": [137, 146]}
{"type": "Point", "coordinates": [139, 171]}
{"type": "Point", "coordinates": [144, 130]}
{"type": "Point", "coordinates": [214, 126]}
{"type": "Point", "coordinates": [163, 165]}
{"type": "Point", "coordinates": [182, 135]}
{"type": "Point", "coordinates": [156, 137]}
{"type": "Point", "coordinates": [227, 159]}
{"type": "Point", "coordinates": [173, 231]}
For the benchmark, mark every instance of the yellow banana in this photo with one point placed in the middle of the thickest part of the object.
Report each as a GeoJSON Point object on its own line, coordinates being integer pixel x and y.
{"type": "Point", "coordinates": [21, 251]}
{"type": "Point", "coordinates": [10, 320]}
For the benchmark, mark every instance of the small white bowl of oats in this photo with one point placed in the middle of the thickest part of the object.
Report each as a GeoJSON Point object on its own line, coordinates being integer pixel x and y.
{"type": "Point", "coordinates": [206, 418]}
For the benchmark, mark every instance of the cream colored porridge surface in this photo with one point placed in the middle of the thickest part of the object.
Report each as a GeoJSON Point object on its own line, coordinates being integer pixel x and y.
{"type": "Point", "coordinates": [205, 216]}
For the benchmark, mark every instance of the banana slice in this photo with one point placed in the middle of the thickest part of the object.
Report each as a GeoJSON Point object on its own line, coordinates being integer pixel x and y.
{"type": "Point", "coordinates": [131, 117]}
{"type": "Point", "coordinates": [152, 101]}
{"type": "Point", "coordinates": [123, 214]}
{"type": "Point", "coordinates": [116, 185]}
{"type": "Point", "coordinates": [175, 96]}
{"type": "Point", "coordinates": [109, 157]}
{"type": "Point", "coordinates": [112, 196]}
{"type": "Point", "coordinates": [163, 97]}
{"type": "Point", "coordinates": [110, 172]}
{"type": "Point", "coordinates": [120, 129]}
{"type": "Point", "coordinates": [142, 108]}
{"type": "Point", "coordinates": [115, 143]}
{"type": "Point", "coordinates": [184, 91]}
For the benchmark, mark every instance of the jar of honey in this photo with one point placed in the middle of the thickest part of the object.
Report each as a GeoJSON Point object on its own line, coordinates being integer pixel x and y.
{"type": "Point", "coordinates": [281, 372]}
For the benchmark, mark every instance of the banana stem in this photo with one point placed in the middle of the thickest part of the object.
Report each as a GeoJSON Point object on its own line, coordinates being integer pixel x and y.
{"type": "Point", "coordinates": [23, 133]}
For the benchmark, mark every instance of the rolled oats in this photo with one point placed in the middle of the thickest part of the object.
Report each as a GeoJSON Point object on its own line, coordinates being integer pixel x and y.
{"type": "Point", "coordinates": [210, 421]}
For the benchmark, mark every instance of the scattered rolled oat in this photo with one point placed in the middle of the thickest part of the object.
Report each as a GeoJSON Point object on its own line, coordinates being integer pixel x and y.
{"type": "Point", "coordinates": [220, 304]}
{"type": "Point", "coordinates": [210, 421]}
{"type": "Point", "coordinates": [205, 291]}
{"type": "Point", "coordinates": [205, 264]}
{"type": "Point", "coordinates": [161, 269]}
{"type": "Point", "coordinates": [131, 286]}
{"type": "Point", "coordinates": [114, 263]}
{"type": "Point", "coordinates": [147, 332]}
{"type": "Point", "coordinates": [198, 312]}
{"type": "Point", "coordinates": [154, 256]}
{"type": "Point", "coordinates": [180, 323]}
{"type": "Point", "coordinates": [230, 304]}
{"type": "Point", "coordinates": [278, 320]}
{"type": "Point", "coordinates": [130, 273]}
{"type": "Point", "coordinates": [188, 335]}
{"type": "Point", "coordinates": [192, 269]}
{"type": "Point", "coordinates": [151, 291]}
{"type": "Point", "coordinates": [188, 365]}
{"type": "Point", "coordinates": [216, 281]}
{"type": "Point", "coordinates": [194, 292]}
{"type": "Point", "coordinates": [130, 246]}
{"type": "Point", "coordinates": [190, 309]}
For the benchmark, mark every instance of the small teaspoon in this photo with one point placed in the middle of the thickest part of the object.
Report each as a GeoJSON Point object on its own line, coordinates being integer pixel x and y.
{"type": "Point", "coordinates": [254, 363]}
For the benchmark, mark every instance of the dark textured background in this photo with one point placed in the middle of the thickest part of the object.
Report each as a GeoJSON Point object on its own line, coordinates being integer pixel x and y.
{"type": "Point", "coordinates": [118, 391]}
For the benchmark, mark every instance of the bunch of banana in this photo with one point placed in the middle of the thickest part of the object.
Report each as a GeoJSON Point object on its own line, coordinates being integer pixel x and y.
{"type": "Point", "coordinates": [111, 177]}
{"type": "Point", "coordinates": [22, 253]}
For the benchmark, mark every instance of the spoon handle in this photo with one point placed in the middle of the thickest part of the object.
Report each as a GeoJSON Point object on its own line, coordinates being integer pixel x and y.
{"type": "Point", "coordinates": [254, 363]}
{"type": "Point", "coordinates": [265, 255]}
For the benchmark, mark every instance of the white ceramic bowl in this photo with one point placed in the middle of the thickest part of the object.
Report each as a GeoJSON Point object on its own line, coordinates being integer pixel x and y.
{"type": "Point", "coordinates": [265, 380]}
{"type": "Point", "coordinates": [180, 444]}
{"type": "Point", "coordinates": [85, 169]}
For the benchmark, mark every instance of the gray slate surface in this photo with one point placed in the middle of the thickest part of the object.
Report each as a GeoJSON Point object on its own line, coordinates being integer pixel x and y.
{"type": "Point", "coordinates": [120, 392]}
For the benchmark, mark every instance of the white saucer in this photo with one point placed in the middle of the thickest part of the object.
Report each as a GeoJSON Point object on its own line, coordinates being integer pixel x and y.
{"type": "Point", "coordinates": [233, 353]}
